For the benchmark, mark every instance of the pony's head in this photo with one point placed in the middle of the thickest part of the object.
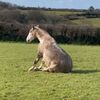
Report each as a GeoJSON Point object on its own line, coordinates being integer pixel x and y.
{"type": "Point", "coordinates": [32, 33]}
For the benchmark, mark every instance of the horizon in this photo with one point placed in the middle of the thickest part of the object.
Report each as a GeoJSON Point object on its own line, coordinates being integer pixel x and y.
{"type": "Point", "coordinates": [60, 4]}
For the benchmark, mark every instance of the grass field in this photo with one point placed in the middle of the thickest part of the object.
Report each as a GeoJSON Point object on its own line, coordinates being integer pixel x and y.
{"type": "Point", "coordinates": [17, 84]}
{"type": "Point", "coordinates": [62, 12]}
{"type": "Point", "coordinates": [91, 21]}
{"type": "Point", "coordinates": [55, 12]}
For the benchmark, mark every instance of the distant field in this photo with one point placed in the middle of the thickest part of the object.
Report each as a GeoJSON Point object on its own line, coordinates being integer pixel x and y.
{"type": "Point", "coordinates": [91, 21]}
{"type": "Point", "coordinates": [62, 12]}
{"type": "Point", "coordinates": [17, 84]}
{"type": "Point", "coordinates": [55, 12]}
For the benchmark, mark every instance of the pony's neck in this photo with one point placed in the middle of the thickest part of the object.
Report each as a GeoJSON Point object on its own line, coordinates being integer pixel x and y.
{"type": "Point", "coordinates": [42, 35]}
{"type": "Point", "coordinates": [41, 40]}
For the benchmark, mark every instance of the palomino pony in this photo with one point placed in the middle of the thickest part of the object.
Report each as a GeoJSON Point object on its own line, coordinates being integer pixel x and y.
{"type": "Point", "coordinates": [52, 56]}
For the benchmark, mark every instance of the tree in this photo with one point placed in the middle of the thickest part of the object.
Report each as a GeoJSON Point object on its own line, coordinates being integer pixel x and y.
{"type": "Point", "coordinates": [91, 9]}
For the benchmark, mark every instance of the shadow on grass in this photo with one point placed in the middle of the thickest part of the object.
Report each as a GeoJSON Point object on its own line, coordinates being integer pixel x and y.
{"type": "Point", "coordinates": [85, 71]}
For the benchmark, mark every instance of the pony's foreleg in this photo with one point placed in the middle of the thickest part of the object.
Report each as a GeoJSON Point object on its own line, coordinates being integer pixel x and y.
{"type": "Point", "coordinates": [41, 65]}
{"type": "Point", "coordinates": [36, 61]}
{"type": "Point", "coordinates": [34, 68]}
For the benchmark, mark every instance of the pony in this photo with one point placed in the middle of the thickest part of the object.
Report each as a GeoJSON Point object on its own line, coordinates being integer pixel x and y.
{"type": "Point", "coordinates": [53, 57]}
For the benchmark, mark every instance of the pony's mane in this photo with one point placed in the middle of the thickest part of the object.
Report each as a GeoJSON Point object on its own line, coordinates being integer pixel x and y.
{"type": "Point", "coordinates": [43, 31]}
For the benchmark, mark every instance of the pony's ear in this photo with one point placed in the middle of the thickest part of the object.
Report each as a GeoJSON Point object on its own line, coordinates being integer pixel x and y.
{"type": "Point", "coordinates": [35, 26]}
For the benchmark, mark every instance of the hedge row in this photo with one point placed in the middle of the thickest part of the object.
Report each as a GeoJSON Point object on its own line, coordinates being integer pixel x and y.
{"type": "Point", "coordinates": [61, 32]}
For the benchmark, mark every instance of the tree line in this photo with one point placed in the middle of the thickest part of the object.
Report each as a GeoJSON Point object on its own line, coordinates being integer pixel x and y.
{"type": "Point", "coordinates": [61, 32]}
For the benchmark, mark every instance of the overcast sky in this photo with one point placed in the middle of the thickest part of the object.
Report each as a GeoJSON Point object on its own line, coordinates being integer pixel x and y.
{"type": "Point", "coordinates": [57, 3]}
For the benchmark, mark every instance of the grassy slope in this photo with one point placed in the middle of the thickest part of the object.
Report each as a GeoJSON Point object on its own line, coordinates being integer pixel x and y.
{"type": "Point", "coordinates": [62, 12]}
{"type": "Point", "coordinates": [91, 21]}
{"type": "Point", "coordinates": [55, 12]}
{"type": "Point", "coordinates": [17, 84]}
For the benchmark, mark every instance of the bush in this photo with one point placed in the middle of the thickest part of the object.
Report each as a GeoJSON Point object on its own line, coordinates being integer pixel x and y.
{"type": "Point", "coordinates": [62, 33]}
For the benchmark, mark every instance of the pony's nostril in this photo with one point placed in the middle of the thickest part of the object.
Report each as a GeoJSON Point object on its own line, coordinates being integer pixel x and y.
{"type": "Point", "coordinates": [27, 40]}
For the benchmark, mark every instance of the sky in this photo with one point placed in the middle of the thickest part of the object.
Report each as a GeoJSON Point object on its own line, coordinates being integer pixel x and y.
{"type": "Point", "coordinates": [78, 4]}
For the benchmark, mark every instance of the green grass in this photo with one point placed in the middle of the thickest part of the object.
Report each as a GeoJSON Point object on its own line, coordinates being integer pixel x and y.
{"type": "Point", "coordinates": [62, 12]}
{"type": "Point", "coordinates": [91, 21]}
{"type": "Point", "coordinates": [17, 84]}
{"type": "Point", "coordinates": [55, 12]}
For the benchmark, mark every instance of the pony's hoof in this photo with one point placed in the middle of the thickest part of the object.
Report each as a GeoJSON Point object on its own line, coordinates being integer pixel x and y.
{"type": "Point", "coordinates": [45, 70]}
{"type": "Point", "coordinates": [34, 69]}
{"type": "Point", "coordinates": [31, 69]}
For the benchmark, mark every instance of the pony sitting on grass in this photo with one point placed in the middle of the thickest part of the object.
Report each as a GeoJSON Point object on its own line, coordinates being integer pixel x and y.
{"type": "Point", "coordinates": [53, 58]}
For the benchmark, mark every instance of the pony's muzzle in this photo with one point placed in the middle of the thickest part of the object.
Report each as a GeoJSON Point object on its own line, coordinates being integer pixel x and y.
{"type": "Point", "coordinates": [28, 41]}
